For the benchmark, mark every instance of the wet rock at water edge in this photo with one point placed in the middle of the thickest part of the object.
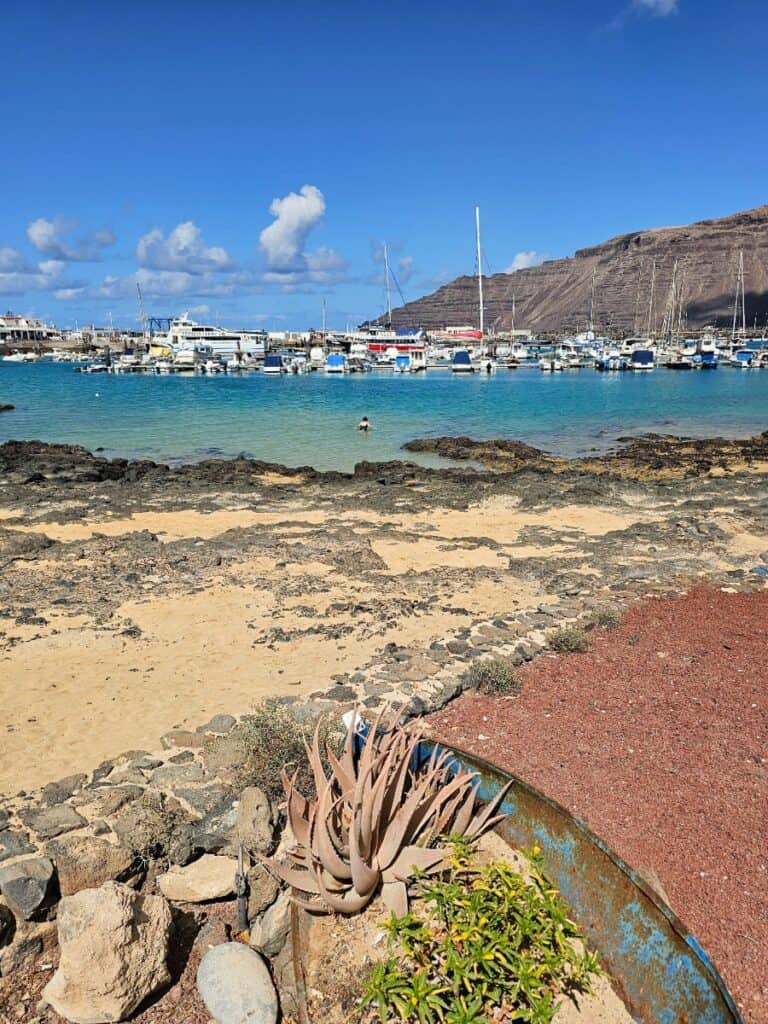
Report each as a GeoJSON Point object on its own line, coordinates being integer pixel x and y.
{"type": "Point", "coordinates": [235, 986]}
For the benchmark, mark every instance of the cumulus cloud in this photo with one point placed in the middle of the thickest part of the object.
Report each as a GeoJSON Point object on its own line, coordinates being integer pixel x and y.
{"type": "Point", "coordinates": [658, 8]}
{"type": "Point", "coordinates": [11, 260]}
{"type": "Point", "coordinates": [44, 277]}
{"type": "Point", "coordinates": [284, 241]}
{"type": "Point", "coordinates": [49, 237]}
{"type": "Point", "coordinates": [183, 250]}
{"type": "Point", "coordinates": [164, 284]}
{"type": "Point", "coordinates": [522, 260]}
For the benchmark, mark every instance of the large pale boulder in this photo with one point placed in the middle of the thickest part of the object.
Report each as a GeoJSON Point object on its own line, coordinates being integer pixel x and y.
{"type": "Point", "coordinates": [114, 944]}
{"type": "Point", "coordinates": [209, 878]}
{"type": "Point", "coordinates": [236, 987]}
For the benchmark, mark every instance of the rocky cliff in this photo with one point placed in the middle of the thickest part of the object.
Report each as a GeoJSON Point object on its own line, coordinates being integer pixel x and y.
{"type": "Point", "coordinates": [556, 296]}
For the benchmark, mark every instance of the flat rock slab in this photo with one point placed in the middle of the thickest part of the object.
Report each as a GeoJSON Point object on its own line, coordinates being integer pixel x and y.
{"type": "Point", "coordinates": [209, 878]}
{"type": "Point", "coordinates": [235, 986]}
{"type": "Point", "coordinates": [49, 822]}
{"type": "Point", "coordinates": [13, 844]}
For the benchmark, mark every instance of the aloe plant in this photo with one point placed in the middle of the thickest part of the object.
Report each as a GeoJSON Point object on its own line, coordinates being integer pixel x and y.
{"type": "Point", "coordinates": [375, 822]}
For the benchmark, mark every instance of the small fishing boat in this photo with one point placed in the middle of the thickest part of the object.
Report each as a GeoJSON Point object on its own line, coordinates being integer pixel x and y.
{"type": "Point", "coordinates": [742, 358]}
{"type": "Point", "coordinates": [642, 360]}
{"type": "Point", "coordinates": [549, 364]}
{"type": "Point", "coordinates": [336, 363]}
{"type": "Point", "coordinates": [273, 364]}
{"type": "Point", "coordinates": [461, 362]}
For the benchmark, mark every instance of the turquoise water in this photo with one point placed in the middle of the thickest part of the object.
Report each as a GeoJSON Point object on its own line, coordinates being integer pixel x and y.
{"type": "Point", "coordinates": [310, 420]}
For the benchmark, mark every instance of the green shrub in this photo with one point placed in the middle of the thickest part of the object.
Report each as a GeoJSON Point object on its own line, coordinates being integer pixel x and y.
{"type": "Point", "coordinates": [493, 675]}
{"type": "Point", "coordinates": [483, 943]}
{"type": "Point", "coordinates": [606, 616]}
{"type": "Point", "coordinates": [264, 743]}
{"type": "Point", "coordinates": [568, 640]}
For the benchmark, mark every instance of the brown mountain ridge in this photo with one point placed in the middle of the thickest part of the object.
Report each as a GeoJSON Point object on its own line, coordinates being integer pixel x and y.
{"type": "Point", "coordinates": [556, 296]}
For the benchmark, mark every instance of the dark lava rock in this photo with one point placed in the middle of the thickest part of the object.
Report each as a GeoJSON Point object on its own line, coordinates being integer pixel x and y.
{"type": "Point", "coordinates": [7, 925]}
{"type": "Point", "coordinates": [4, 820]}
{"type": "Point", "coordinates": [341, 693]}
{"type": "Point", "coordinates": [28, 886]}
{"type": "Point", "coordinates": [204, 799]}
{"type": "Point", "coordinates": [219, 724]}
{"type": "Point", "coordinates": [49, 822]}
{"type": "Point", "coordinates": [58, 792]}
{"type": "Point", "coordinates": [457, 646]}
{"type": "Point", "coordinates": [13, 844]}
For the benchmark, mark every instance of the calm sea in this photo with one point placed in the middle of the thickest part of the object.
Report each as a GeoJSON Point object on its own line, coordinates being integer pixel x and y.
{"type": "Point", "coordinates": [311, 420]}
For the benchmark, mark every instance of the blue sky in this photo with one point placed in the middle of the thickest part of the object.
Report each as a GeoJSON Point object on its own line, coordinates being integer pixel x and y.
{"type": "Point", "coordinates": [246, 160]}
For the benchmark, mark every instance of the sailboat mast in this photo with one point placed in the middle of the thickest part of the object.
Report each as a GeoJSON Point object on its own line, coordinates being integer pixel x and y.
{"type": "Point", "coordinates": [325, 334]}
{"type": "Point", "coordinates": [650, 299]}
{"type": "Point", "coordinates": [479, 268]}
{"type": "Point", "coordinates": [386, 283]}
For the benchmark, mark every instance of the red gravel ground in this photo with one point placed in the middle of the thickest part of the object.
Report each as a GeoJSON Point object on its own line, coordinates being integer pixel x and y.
{"type": "Point", "coordinates": [657, 737]}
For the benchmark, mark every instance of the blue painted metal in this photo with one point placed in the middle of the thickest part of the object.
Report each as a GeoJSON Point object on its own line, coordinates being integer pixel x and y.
{"type": "Point", "coordinates": [658, 967]}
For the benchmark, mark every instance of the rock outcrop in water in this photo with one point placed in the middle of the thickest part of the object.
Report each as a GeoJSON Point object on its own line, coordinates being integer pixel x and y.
{"type": "Point", "coordinates": [556, 295]}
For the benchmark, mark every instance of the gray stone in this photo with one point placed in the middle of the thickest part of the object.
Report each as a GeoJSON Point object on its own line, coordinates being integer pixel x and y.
{"type": "Point", "coordinates": [58, 792]}
{"type": "Point", "coordinates": [262, 891]}
{"type": "Point", "coordinates": [103, 771]}
{"type": "Point", "coordinates": [49, 822]}
{"type": "Point", "coordinates": [341, 694]}
{"type": "Point", "coordinates": [235, 986]}
{"type": "Point", "coordinates": [457, 646]}
{"type": "Point", "coordinates": [84, 862]}
{"type": "Point", "coordinates": [220, 724]}
{"type": "Point", "coordinates": [204, 798]}
{"type": "Point", "coordinates": [28, 886]}
{"type": "Point", "coordinates": [171, 775]}
{"type": "Point", "coordinates": [269, 932]}
{"type": "Point", "coordinates": [111, 799]}
{"type": "Point", "coordinates": [254, 826]}
{"type": "Point", "coordinates": [213, 832]}
{"type": "Point", "coordinates": [147, 763]}
{"type": "Point", "coordinates": [114, 945]}
{"type": "Point", "coordinates": [183, 757]}
{"type": "Point", "coordinates": [4, 820]}
{"type": "Point", "coordinates": [14, 844]}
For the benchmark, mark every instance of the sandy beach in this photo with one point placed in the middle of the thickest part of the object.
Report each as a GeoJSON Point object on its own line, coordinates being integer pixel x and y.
{"type": "Point", "coordinates": [133, 606]}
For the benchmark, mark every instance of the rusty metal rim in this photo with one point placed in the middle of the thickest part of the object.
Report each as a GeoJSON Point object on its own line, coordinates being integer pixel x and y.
{"type": "Point", "coordinates": [646, 890]}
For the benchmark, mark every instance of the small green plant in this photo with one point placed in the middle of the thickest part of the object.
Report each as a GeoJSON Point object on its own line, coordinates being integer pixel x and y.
{"type": "Point", "coordinates": [485, 944]}
{"type": "Point", "coordinates": [568, 640]}
{"type": "Point", "coordinates": [606, 616]}
{"type": "Point", "coordinates": [263, 744]}
{"type": "Point", "coordinates": [493, 675]}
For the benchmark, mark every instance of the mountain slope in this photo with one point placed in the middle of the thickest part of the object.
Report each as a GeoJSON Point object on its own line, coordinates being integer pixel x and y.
{"type": "Point", "coordinates": [556, 295]}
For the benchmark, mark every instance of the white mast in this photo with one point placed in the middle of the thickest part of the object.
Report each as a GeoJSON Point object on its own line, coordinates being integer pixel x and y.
{"type": "Point", "coordinates": [325, 334]}
{"type": "Point", "coordinates": [739, 289]}
{"type": "Point", "coordinates": [650, 300]}
{"type": "Point", "coordinates": [386, 284]}
{"type": "Point", "coordinates": [479, 267]}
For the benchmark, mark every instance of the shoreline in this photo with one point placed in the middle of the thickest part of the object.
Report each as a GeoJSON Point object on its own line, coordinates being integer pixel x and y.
{"type": "Point", "coordinates": [135, 598]}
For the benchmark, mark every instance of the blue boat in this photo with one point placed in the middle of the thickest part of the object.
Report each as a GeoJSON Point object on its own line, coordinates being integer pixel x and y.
{"type": "Point", "coordinates": [273, 363]}
{"type": "Point", "coordinates": [336, 363]}
{"type": "Point", "coordinates": [461, 362]}
{"type": "Point", "coordinates": [642, 359]}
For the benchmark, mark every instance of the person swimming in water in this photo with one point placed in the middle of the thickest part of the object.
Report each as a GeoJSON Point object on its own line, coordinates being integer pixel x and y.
{"type": "Point", "coordinates": [364, 425]}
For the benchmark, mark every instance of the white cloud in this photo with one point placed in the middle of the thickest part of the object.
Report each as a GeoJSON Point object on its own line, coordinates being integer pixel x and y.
{"type": "Point", "coordinates": [523, 260]}
{"type": "Point", "coordinates": [164, 284]}
{"type": "Point", "coordinates": [296, 214]}
{"type": "Point", "coordinates": [201, 310]}
{"type": "Point", "coordinates": [659, 8]}
{"type": "Point", "coordinates": [11, 260]}
{"type": "Point", "coordinates": [42, 278]}
{"type": "Point", "coordinates": [283, 243]}
{"type": "Point", "coordinates": [183, 250]}
{"type": "Point", "coordinates": [401, 266]}
{"type": "Point", "coordinates": [49, 238]}
{"type": "Point", "coordinates": [69, 293]}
